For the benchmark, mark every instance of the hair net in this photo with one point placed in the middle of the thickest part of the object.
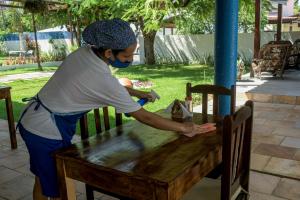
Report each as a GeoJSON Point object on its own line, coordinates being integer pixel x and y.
{"type": "Point", "coordinates": [112, 34]}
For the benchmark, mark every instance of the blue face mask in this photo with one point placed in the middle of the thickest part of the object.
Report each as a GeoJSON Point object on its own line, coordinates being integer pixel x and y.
{"type": "Point", "coordinates": [118, 64]}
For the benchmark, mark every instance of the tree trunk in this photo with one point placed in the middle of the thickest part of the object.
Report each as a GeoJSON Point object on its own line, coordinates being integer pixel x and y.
{"type": "Point", "coordinates": [36, 44]}
{"type": "Point", "coordinates": [149, 47]}
{"type": "Point", "coordinates": [72, 35]}
{"type": "Point", "coordinates": [78, 33]}
{"type": "Point", "coordinates": [71, 28]}
{"type": "Point", "coordinates": [21, 45]}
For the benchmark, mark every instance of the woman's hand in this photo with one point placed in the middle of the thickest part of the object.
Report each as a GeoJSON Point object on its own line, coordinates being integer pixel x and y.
{"type": "Point", "coordinates": [192, 129]}
{"type": "Point", "coordinates": [147, 95]}
{"type": "Point", "coordinates": [141, 94]}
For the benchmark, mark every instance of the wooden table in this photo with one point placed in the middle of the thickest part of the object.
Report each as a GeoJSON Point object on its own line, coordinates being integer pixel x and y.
{"type": "Point", "coordinates": [138, 162]}
{"type": "Point", "coordinates": [5, 94]}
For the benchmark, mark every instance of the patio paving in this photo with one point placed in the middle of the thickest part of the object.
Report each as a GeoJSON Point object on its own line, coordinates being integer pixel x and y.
{"type": "Point", "coordinates": [273, 89]}
{"type": "Point", "coordinates": [275, 161]}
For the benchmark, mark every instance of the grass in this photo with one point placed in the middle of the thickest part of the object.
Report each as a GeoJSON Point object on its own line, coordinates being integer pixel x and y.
{"type": "Point", "coordinates": [168, 81]}
{"type": "Point", "coordinates": [26, 70]}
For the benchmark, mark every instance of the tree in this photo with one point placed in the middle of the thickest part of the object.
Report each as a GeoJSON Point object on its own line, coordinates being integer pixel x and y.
{"type": "Point", "coordinates": [36, 7]}
{"type": "Point", "coordinates": [147, 15]}
{"type": "Point", "coordinates": [13, 20]}
{"type": "Point", "coordinates": [199, 16]}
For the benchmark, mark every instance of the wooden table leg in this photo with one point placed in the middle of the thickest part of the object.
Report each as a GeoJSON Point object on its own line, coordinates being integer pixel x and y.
{"type": "Point", "coordinates": [11, 124]}
{"type": "Point", "coordinates": [66, 185]}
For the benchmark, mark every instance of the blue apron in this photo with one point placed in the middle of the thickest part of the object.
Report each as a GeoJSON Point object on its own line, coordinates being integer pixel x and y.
{"type": "Point", "coordinates": [66, 123]}
{"type": "Point", "coordinates": [41, 149]}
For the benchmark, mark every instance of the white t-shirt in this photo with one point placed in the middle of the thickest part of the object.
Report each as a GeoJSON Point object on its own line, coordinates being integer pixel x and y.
{"type": "Point", "coordinates": [82, 82]}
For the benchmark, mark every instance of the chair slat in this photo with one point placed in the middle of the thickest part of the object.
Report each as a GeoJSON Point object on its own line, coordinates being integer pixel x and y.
{"type": "Point", "coordinates": [118, 119]}
{"type": "Point", "coordinates": [204, 108]}
{"type": "Point", "coordinates": [237, 131]}
{"type": "Point", "coordinates": [84, 127]}
{"type": "Point", "coordinates": [216, 91]}
{"type": "Point", "coordinates": [97, 121]}
{"type": "Point", "coordinates": [106, 118]}
{"type": "Point", "coordinates": [210, 89]}
{"type": "Point", "coordinates": [215, 105]}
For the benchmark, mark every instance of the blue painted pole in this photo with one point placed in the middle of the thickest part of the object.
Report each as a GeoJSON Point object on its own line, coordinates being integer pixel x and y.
{"type": "Point", "coordinates": [226, 37]}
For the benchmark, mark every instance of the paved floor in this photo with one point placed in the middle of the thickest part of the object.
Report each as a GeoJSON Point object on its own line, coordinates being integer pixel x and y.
{"type": "Point", "coordinates": [276, 139]}
{"type": "Point", "coordinates": [273, 89]}
{"type": "Point", "coordinates": [275, 158]}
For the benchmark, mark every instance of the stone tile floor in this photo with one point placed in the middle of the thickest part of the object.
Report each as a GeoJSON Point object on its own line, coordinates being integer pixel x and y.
{"type": "Point", "coordinates": [275, 161]}
{"type": "Point", "coordinates": [273, 85]}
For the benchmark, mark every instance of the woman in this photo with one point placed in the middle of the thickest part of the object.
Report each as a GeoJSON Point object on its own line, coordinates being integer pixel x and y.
{"type": "Point", "coordinates": [83, 82]}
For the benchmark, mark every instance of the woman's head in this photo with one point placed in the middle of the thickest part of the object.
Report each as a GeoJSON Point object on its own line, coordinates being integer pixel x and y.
{"type": "Point", "coordinates": [112, 40]}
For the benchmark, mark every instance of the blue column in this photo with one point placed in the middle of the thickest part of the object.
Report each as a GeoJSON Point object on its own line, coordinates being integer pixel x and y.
{"type": "Point", "coordinates": [226, 37]}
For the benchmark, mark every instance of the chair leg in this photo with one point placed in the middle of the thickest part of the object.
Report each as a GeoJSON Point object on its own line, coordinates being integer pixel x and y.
{"type": "Point", "coordinates": [242, 196]}
{"type": "Point", "coordinates": [11, 124]}
{"type": "Point", "coordinates": [89, 192]}
{"type": "Point", "coordinates": [215, 173]}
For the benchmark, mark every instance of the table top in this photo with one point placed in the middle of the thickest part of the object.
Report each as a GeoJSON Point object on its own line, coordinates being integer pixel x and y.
{"type": "Point", "coordinates": [135, 149]}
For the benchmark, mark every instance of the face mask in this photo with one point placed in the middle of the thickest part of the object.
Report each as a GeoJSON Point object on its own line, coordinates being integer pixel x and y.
{"type": "Point", "coordinates": [118, 64]}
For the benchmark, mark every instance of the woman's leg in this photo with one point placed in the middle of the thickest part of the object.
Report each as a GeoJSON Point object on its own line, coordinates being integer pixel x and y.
{"type": "Point", "coordinates": [37, 190]}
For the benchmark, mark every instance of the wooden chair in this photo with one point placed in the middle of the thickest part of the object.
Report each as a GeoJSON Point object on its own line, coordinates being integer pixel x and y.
{"type": "Point", "coordinates": [84, 122]}
{"type": "Point", "coordinates": [216, 91]}
{"type": "Point", "coordinates": [5, 94]}
{"type": "Point", "coordinates": [236, 150]}
{"type": "Point", "coordinates": [84, 135]}
{"type": "Point", "coordinates": [272, 57]}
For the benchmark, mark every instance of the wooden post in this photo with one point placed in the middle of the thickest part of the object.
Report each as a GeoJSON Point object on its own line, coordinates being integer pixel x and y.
{"type": "Point", "coordinates": [36, 44]}
{"type": "Point", "coordinates": [279, 22]}
{"type": "Point", "coordinates": [256, 33]}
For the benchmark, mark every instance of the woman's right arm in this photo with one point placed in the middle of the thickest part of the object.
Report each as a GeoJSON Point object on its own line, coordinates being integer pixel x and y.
{"type": "Point", "coordinates": [159, 122]}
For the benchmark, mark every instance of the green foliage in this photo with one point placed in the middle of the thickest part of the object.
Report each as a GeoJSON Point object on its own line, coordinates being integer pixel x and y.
{"type": "Point", "coordinates": [196, 18]}
{"type": "Point", "coordinates": [73, 48]}
{"type": "Point", "coordinates": [247, 15]}
{"type": "Point", "coordinates": [3, 48]}
{"type": "Point", "coordinates": [199, 16]}
{"type": "Point", "coordinates": [14, 20]}
{"type": "Point", "coordinates": [58, 52]}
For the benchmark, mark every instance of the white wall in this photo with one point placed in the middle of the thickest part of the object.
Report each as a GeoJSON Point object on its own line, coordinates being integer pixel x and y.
{"type": "Point", "coordinates": [194, 48]}
{"type": "Point", "coordinates": [185, 48]}
{"type": "Point", "coordinates": [44, 44]}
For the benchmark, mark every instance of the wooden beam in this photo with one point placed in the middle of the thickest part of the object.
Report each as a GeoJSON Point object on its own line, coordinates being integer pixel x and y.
{"type": "Point", "coordinates": [21, 1]}
{"type": "Point", "coordinates": [48, 2]}
{"type": "Point", "coordinates": [279, 22]}
{"type": "Point", "coordinates": [10, 6]}
{"type": "Point", "coordinates": [257, 28]}
{"type": "Point", "coordinates": [256, 33]}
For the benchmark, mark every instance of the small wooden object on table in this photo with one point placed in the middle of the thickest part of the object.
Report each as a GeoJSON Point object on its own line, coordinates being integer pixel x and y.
{"type": "Point", "coordinates": [177, 112]}
{"type": "Point", "coordinates": [5, 94]}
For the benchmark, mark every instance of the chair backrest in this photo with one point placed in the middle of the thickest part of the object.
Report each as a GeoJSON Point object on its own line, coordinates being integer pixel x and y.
{"type": "Point", "coordinates": [84, 122]}
{"type": "Point", "coordinates": [237, 132]}
{"type": "Point", "coordinates": [216, 91]}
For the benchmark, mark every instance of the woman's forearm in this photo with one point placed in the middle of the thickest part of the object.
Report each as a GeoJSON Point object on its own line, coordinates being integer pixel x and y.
{"type": "Point", "coordinates": [132, 92]}
{"type": "Point", "coordinates": [157, 121]}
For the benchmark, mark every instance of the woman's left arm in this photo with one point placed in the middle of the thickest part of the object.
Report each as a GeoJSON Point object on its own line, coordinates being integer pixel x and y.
{"type": "Point", "coordinates": [139, 94]}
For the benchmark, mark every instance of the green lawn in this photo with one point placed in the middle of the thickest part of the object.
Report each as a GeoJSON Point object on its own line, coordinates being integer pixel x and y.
{"type": "Point", "coordinates": [26, 70]}
{"type": "Point", "coordinates": [169, 82]}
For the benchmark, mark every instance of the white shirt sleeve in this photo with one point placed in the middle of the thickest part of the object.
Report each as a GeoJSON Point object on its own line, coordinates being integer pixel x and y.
{"type": "Point", "coordinates": [114, 94]}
